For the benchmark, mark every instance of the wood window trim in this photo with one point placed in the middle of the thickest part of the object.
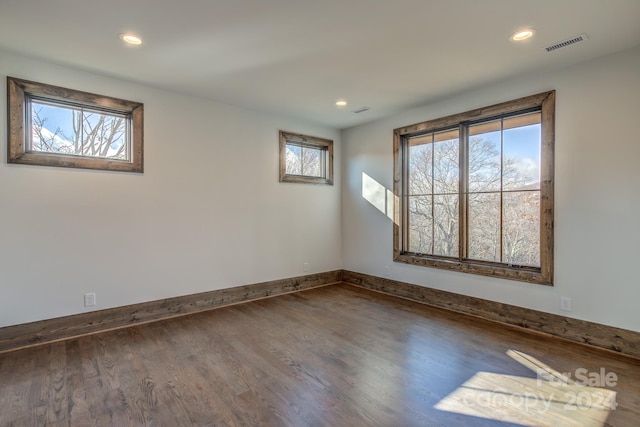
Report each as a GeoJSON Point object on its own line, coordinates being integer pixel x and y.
{"type": "Point", "coordinates": [18, 92]}
{"type": "Point", "coordinates": [543, 275]}
{"type": "Point", "coordinates": [312, 141]}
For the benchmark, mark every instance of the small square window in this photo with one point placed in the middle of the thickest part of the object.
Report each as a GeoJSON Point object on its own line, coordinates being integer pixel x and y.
{"type": "Point", "coordinates": [54, 126]}
{"type": "Point", "coordinates": [305, 159]}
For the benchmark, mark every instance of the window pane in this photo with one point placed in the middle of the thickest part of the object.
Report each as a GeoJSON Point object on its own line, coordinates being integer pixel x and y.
{"type": "Point", "coordinates": [103, 135]}
{"type": "Point", "coordinates": [420, 157]}
{"type": "Point", "coordinates": [484, 226]}
{"type": "Point", "coordinates": [484, 156]}
{"type": "Point", "coordinates": [118, 148]}
{"type": "Point", "coordinates": [52, 129]}
{"type": "Point", "coordinates": [312, 162]}
{"type": "Point", "coordinates": [420, 224]}
{"type": "Point", "coordinates": [521, 228]}
{"type": "Point", "coordinates": [445, 166]}
{"type": "Point", "coordinates": [73, 131]}
{"type": "Point", "coordinates": [521, 146]}
{"type": "Point", "coordinates": [445, 212]}
{"type": "Point", "coordinates": [294, 160]}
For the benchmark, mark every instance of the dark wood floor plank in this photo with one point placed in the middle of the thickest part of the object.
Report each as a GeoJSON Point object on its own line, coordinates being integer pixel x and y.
{"type": "Point", "coordinates": [58, 404]}
{"type": "Point", "coordinates": [16, 390]}
{"type": "Point", "coordinates": [94, 387]}
{"type": "Point", "coordinates": [39, 389]}
{"type": "Point", "coordinates": [205, 368]}
{"type": "Point", "coordinates": [333, 356]}
{"type": "Point", "coordinates": [173, 401]}
{"type": "Point", "coordinates": [321, 373]}
{"type": "Point", "coordinates": [110, 362]}
{"type": "Point", "coordinates": [78, 406]}
{"type": "Point", "coordinates": [290, 397]}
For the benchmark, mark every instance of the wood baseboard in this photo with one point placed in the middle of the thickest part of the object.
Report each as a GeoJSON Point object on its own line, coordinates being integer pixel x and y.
{"type": "Point", "coordinates": [618, 340]}
{"type": "Point", "coordinates": [61, 328]}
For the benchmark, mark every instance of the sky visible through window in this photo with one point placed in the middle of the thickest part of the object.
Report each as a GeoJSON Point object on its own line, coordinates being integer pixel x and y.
{"type": "Point", "coordinates": [95, 134]}
{"type": "Point", "coordinates": [523, 144]}
{"type": "Point", "coordinates": [520, 147]}
{"type": "Point", "coordinates": [503, 156]}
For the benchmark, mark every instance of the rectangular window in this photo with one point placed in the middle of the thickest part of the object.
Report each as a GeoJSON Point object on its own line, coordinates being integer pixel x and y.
{"type": "Point", "coordinates": [55, 126]}
{"type": "Point", "coordinates": [476, 191]}
{"type": "Point", "coordinates": [305, 159]}
{"type": "Point", "coordinates": [78, 131]}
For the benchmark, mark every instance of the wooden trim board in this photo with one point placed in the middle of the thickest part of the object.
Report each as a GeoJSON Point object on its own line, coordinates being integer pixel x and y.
{"type": "Point", "coordinates": [61, 328]}
{"type": "Point", "coordinates": [610, 338]}
{"type": "Point", "coordinates": [617, 340]}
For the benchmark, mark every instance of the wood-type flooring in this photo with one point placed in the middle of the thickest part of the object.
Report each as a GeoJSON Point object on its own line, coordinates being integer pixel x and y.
{"type": "Point", "coordinates": [332, 356]}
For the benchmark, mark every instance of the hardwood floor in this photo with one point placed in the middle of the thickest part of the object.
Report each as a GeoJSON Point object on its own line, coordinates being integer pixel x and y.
{"type": "Point", "coordinates": [332, 356]}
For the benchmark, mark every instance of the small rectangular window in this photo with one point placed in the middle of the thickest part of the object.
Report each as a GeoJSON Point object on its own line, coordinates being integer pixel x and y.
{"type": "Point", "coordinates": [55, 126]}
{"type": "Point", "coordinates": [305, 159]}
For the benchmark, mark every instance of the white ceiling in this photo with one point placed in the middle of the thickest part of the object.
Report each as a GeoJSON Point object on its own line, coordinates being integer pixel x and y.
{"type": "Point", "coordinates": [297, 57]}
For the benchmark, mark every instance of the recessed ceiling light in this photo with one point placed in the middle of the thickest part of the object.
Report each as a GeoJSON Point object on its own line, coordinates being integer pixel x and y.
{"type": "Point", "coordinates": [131, 39]}
{"type": "Point", "coordinates": [523, 34]}
{"type": "Point", "coordinates": [341, 103]}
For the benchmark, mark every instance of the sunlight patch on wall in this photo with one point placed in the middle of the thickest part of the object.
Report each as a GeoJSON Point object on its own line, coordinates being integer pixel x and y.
{"type": "Point", "coordinates": [377, 195]}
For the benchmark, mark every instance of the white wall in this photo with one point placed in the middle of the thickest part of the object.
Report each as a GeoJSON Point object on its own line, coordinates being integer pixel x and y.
{"type": "Point", "coordinates": [597, 193]}
{"type": "Point", "coordinates": [207, 213]}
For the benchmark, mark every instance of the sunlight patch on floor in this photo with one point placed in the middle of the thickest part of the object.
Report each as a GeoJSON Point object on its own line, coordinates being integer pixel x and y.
{"type": "Point", "coordinates": [551, 399]}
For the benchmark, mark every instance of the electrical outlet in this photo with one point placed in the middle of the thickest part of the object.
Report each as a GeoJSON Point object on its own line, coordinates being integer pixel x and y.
{"type": "Point", "coordinates": [386, 271]}
{"type": "Point", "coordinates": [305, 267]}
{"type": "Point", "coordinates": [89, 300]}
{"type": "Point", "coordinates": [565, 304]}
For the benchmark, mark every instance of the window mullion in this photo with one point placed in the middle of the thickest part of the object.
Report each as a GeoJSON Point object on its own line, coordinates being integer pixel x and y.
{"type": "Point", "coordinates": [502, 190]}
{"type": "Point", "coordinates": [433, 197]}
{"type": "Point", "coordinates": [82, 132]}
{"type": "Point", "coordinates": [128, 140]}
{"type": "Point", "coordinates": [29, 120]}
{"type": "Point", "coordinates": [463, 194]}
{"type": "Point", "coordinates": [405, 192]}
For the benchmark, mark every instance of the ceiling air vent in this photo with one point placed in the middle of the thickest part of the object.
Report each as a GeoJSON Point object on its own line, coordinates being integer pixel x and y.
{"type": "Point", "coordinates": [361, 110]}
{"type": "Point", "coordinates": [565, 43]}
